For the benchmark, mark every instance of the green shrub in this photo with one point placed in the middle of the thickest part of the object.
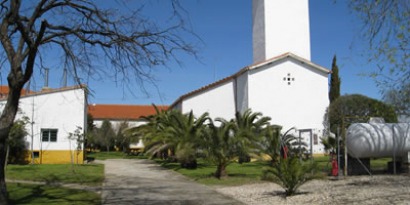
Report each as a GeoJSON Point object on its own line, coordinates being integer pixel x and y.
{"type": "Point", "coordinates": [17, 151]}
{"type": "Point", "coordinates": [291, 173]}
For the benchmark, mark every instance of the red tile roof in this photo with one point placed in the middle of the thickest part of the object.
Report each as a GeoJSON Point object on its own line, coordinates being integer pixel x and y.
{"type": "Point", "coordinates": [4, 91]}
{"type": "Point", "coordinates": [122, 112]}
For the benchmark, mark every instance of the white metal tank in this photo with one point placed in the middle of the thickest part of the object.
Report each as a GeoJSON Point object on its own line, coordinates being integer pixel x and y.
{"type": "Point", "coordinates": [366, 140]}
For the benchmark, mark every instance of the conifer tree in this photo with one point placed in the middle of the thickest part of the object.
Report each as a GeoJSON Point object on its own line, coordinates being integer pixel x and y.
{"type": "Point", "coordinates": [334, 91]}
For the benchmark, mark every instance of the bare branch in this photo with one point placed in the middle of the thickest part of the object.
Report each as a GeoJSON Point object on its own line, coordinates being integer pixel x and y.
{"type": "Point", "coordinates": [386, 29]}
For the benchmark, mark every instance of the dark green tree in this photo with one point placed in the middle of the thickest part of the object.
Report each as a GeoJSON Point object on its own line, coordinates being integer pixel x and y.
{"type": "Point", "coordinates": [357, 108]}
{"type": "Point", "coordinates": [105, 135]}
{"type": "Point", "coordinates": [122, 142]}
{"type": "Point", "coordinates": [90, 122]}
{"type": "Point", "coordinates": [334, 90]}
{"type": "Point", "coordinates": [334, 93]}
{"type": "Point", "coordinates": [17, 153]}
{"type": "Point", "coordinates": [90, 133]}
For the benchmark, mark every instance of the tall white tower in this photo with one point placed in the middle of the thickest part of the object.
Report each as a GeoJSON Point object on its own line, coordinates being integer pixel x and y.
{"type": "Point", "coordinates": [280, 26]}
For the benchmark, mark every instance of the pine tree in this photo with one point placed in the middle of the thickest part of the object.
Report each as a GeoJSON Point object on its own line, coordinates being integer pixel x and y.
{"type": "Point", "coordinates": [335, 82]}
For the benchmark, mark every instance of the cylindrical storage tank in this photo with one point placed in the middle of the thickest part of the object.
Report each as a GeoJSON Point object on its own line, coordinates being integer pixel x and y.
{"type": "Point", "coordinates": [365, 140]}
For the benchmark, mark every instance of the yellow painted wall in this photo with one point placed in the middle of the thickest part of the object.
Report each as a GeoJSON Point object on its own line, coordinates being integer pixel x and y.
{"type": "Point", "coordinates": [58, 157]}
{"type": "Point", "coordinates": [319, 154]}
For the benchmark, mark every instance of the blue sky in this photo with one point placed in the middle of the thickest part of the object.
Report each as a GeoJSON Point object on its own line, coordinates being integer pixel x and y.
{"type": "Point", "coordinates": [226, 31]}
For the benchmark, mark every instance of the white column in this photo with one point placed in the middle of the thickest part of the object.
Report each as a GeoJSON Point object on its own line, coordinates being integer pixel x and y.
{"type": "Point", "coordinates": [280, 26]}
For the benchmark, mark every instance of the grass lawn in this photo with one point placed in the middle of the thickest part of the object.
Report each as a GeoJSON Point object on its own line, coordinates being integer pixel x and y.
{"type": "Point", "coordinates": [379, 164]}
{"type": "Point", "coordinates": [113, 155]}
{"type": "Point", "coordinates": [239, 174]}
{"type": "Point", "coordinates": [41, 194]}
{"type": "Point", "coordinates": [89, 174]}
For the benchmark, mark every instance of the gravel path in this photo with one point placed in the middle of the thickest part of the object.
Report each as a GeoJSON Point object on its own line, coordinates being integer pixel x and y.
{"type": "Point", "coordinates": [137, 182]}
{"type": "Point", "coordinates": [380, 189]}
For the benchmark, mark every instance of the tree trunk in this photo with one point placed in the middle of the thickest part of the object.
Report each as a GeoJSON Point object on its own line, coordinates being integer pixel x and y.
{"type": "Point", "coordinates": [6, 122]}
{"type": "Point", "coordinates": [3, 187]}
{"type": "Point", "coordinates": [221, 171]}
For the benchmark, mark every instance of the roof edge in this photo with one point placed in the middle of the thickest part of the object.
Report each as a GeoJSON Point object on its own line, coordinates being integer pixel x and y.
{"type": "Point", "coordinates": [52, 90]}
{"type": "Point", "coordinates": [247, 68]}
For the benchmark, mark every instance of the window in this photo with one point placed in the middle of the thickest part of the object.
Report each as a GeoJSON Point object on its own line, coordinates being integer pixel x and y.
{"type": "Point", "coordinates": [288, 79]}
{"type": "Point", "coordinates": [49, 135]}
{"type": "Point", "coordinates": [36, 154]}
{"type": "Point", "coordinates": [315, 139]}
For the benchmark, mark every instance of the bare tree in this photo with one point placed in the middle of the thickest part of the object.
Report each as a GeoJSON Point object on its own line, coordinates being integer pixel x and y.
{"type": "Point", "coordinates": [400, 99]}
{"type": "Point", "coordinates": [83, 33]}
{"type": "Point", "coordinates": [385, 30]}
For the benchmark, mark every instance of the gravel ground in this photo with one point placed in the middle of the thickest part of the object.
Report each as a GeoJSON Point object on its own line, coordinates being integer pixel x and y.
{"type": "Point", "coordinates": [378, 189]}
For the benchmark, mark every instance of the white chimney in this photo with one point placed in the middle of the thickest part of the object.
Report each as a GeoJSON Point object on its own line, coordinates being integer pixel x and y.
{"type": "Point", "coordinates": [46, 88]}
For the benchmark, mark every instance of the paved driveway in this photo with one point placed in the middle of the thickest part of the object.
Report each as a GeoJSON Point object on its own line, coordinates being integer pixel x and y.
{"type": "Point", "coordinates": [129, 181]}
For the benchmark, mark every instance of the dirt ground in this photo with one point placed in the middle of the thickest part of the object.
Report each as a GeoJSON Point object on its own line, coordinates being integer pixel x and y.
{"type": "Point", "coordinates": [377, 189]}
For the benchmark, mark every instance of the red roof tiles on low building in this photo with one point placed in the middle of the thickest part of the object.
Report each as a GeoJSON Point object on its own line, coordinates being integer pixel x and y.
{"type": "Point", "coordinates": [4, 91]}
{"type": "Point", "coordinates": [122, 112]}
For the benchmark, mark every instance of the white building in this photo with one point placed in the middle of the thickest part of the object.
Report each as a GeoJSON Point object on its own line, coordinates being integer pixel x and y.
{"type": "Point", "coordinates": [282, 83]}
{"type": "Point", "coordinates": [53, 114]}
{"type": "Point", "coordinates": [132, 115]}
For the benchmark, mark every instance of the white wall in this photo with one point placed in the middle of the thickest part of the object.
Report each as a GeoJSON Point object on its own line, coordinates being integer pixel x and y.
{"type": "Point", "coordinates": [280, 26]}
{"type": "Point", "coordinates": [301, 104]}
{"type": "Point", "coordinates": [63, 110]}
{"type": "Point", "coordinates": [218, 101]}
{"type": "Point", "coordinates": [266, 89]}
{"type": "Point", "coordinates": [116, 123]}
{"type": "Point", "coordinates": [242, 92]}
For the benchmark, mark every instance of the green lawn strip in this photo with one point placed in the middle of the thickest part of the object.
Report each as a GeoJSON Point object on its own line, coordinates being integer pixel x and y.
{"type": "Point", "coordinates": [380, 163]}
{"type": "Point", "coordinates": [87, 174]}
{"type": "Point", "coordinates": [113, 155]}
{"type": "Point", "coordinates": [238, 174]}
{"type": "Point", "coordinates": [42, 194]}
{"type": "Point", "coordinates": [324, 163]}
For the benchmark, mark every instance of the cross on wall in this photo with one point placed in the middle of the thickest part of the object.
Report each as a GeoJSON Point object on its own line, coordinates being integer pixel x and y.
{"type": "Point", "coordinates": [288, 79]}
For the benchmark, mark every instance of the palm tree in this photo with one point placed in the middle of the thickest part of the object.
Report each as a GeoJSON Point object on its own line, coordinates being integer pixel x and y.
{"type": "Point", "coordinates": [249, 127]}
{"type": "Point", "coordinates": [230, 139]}
{"type": "Point", "coordinates": [175, 133]}
{"type": "Point", "coordinates": [291, 173]}
{"type": "Point", "coordinates": [156, 139]}
{"type": "Point", "coordinates": [329, 143]}
{"type": "Point", "coordinates": [220, 146]}
{"type": "Point", "coordinates": [270, 143]}
{"type": "Point", "coordinates": [188, 131]}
